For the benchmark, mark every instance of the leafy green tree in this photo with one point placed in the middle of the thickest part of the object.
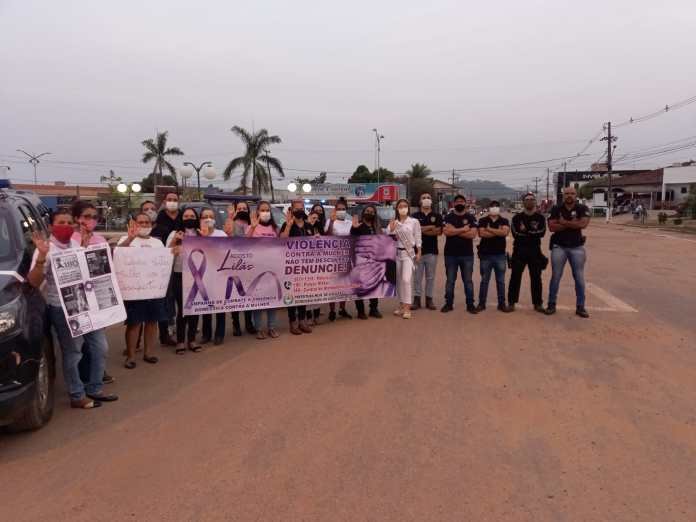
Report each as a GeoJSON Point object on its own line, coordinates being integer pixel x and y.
{"type": "Point", "coordinates": [418, 171]}
{"type": "Point", "coordinates": [418, 181]}
{"type": "Point", "coordinates": [363, 175]}
{"type": "Point", "coordinates": [255, 162]}
{"type": "Point", "coordinates": [318, 180]}
{"type": "Point", "coordinates": [156, 150]}
{"type": "Point", "coordinates": [148, 182]}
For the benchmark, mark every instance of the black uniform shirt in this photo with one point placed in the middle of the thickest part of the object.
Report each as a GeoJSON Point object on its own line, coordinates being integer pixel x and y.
{"type": "Point", "coordinates": [429, 219]}
{"type": "Point", "coordinates": [570, 237]}
{"type": "Point", "coordinates": [528, 229]}
{"type": "Point", "coordinates": [457, 245]}
{"type": "Point", "coordinates": [492, 245]}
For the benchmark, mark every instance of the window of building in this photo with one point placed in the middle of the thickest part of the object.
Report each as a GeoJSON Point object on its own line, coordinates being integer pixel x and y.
{"type": "Point", "coordinates": [684, 190]}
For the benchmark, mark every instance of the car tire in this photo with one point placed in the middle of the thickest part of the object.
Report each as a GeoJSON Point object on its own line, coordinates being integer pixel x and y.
{"type": "Point", "coordinates": [40, 410]}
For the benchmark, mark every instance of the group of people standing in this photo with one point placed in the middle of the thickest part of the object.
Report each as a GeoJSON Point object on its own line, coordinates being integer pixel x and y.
{"type": "Point", "coordinates": [417, 250]}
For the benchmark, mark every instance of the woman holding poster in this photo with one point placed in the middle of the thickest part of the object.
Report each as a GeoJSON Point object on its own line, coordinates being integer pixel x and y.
{"type": "Point", "coordinates": [145, 313]}
{"type": "Point", "coordinates": [208, 230]}
{"type": "Point", "coordinates": [408, 236]}
{"type": "Point", "coordinates": [263, 225]}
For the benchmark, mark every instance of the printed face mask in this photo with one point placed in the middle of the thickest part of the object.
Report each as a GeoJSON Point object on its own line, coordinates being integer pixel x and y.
{"type": "Point", "coordinates": [144, 231]}
{"type": "Point", "coordinates": [264, 216]}
{"type": "Point", "coordinates": [171, 206]}
{"type": "Point", "coordinates": [62, 233]}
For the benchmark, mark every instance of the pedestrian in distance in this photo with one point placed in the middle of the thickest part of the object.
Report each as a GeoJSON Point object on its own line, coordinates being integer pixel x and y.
{"type": "Point", "coordinates": [493, 230]}
{"type": "Point", "coordinates": [296, 226]}
{"type": "Point", "coordinates": [339, 225]}
{"type": "Point", "coordinates": [431, 228]}
{"type": "Point", "coordinates": [142, 314]}
{"type": "Point", "coordinates": [208, 229]}
{"type": "Point", "coordinates": [408, 251]}
{"type": "Point", "coordinates": [365, 225]}
{"type": "Point", "coordinates": [460, 230]}
{"type": "Point", "coordinates": [263, 225]}
{"type": "Point", "coordinates": [567, 221]}
{"type": "Point", "coordinates": [528, 227]}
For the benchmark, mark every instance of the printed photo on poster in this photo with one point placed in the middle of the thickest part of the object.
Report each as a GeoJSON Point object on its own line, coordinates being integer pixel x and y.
{"type": "Point", "coordinates": [67, 269]}
{"type": "Point", "coordinates": [105, 292]}
{"type": "Point", "coordinates": [98, 262]}
{"type": "Point", "coordinates": [75, 299]}
{"type": "Point", "coordinates": [80, 325]}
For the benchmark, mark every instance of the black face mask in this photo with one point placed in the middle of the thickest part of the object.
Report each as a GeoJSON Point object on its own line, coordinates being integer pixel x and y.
{"type": "Point", "coordinates": [190, 223]}
{"type": "Point", "coordinates": [368, 218]}
{"type": "Point", "coordinates": [299, 214]}
{"type": "Point", "coordinates": [243, 215]}
{"type": "Point", "coordinates": [459, 208]}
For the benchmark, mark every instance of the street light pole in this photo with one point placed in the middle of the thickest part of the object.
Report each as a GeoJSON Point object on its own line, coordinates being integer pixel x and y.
{"type": "Point", "coordinates": [378, 138]}
{"type": "Point", "coordinates": [198, 172]}
{"type": "Point", "coordinates": [33, 159]}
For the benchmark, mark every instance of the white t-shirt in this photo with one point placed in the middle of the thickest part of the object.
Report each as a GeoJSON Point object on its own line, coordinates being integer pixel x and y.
{"type": "Point", "coordinates": [49, 287]}
{"type": "Point", "coordinates": [341, 227]}
{"type": "Point", "coordinates": [218, 233]}
{"type": "Point", "coordinates": [139, 242]}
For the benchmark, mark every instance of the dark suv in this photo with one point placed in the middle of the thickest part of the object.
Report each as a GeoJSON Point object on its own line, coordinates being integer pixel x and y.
{"type": "Point", "coordinates": [27, 362]}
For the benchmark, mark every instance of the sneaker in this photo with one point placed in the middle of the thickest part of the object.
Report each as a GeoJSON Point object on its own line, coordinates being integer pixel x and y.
{"type": "Point", "coordinates": [550, 310]}
{"type": "Point", "coordinates": [580, 310]}
{"type": "Point", "coordinates": [446, 308]}
{"type": "Point", "coordinates": [344, 313]}
{"type": "Point", "coordinates": [205, 340]}
{"type": "Point", "coordinates": [332, 316]}
{"type": "Point", "coordinates": [218, 341]}
{"type": "Point", "coordinates": [304, 327]}
{"type": "Point", "coordinates": [398, 312]}
{"type": "Point", "coordinates": [362, 315]}
{"type": "Point", "coordinates": [108, 379]}
{"type": "Point", "coordinates": [505, 308]}
{"type": "Point", "coordinates": [416, 303]}
{"type": "Point", "coordinates": [472, 309]}
{"type": "Point", "coordinates": [406, 315]}
{"type": "Point", "coordinates": [376, 314]}
{"type": "Point", "coordinates": [539, 308]}
{"type": "Point", "coordinates": [480, 308]}
{"type": "Point", "coordinates": [511, 306]}
{"type": "Point", "coordinates": [429, 303]}
{"type": "Point", "coordinates": [294, 330]}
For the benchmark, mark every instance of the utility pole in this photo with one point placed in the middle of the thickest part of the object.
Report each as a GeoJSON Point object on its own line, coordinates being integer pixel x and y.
{"type": "Point", "coordinates": [548, 173]}
{"type": "Point", "coordinates": [536, 181]}
{"type": "Point", "coordinates": [33, 159]}
{"type": "Point", "coordinates": [565, 167]}
{"type": "Point", "coordinates": [378, 137]}
{"type": "Point", "coordinates": [609, 139]}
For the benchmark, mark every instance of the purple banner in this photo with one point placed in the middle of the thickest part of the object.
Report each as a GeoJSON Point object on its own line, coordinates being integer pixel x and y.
{"type": "Point", "coordinates": [231, 274]}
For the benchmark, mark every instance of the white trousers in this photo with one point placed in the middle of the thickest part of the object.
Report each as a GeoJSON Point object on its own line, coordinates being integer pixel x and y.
{"type": "Point", "coordinates": [404, 277]}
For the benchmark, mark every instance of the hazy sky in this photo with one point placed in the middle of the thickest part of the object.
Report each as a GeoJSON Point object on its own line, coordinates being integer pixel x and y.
{"type": "Point", "coordinates": [452, 84]}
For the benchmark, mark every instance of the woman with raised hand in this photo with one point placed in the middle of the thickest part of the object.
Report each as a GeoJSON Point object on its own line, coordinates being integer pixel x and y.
{"type": "Point", "coordinates": [263, 225]}
{"type": "Point", "coordinates": [408, 250]}
{"type": "Point", "coordinates": [237, 225]}
{"type": "Point", "coordinates": [207, 229]}
{"type": "Point", "coordinates": [185, 325]}
{"type": "Point", "coordinates": [142, 313]}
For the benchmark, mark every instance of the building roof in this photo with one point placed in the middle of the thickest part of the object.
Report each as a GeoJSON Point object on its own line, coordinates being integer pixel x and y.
{"type": "Point", "coordinates": [650, 177]}
{"type": "Point", "coordinates": [84, 191]}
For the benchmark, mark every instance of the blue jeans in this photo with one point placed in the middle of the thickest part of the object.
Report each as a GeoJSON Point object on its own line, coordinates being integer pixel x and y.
{"type": "Point", "coordinates": [489, 263]}
{"type": "Point", "coordinates": [576, 257]}
{"type": "Point", "coordinates": [72, 354]}
{"type": "Point", "coordinates": [465, 264]}
{"type": "Point", "coordinates": [270, 318]}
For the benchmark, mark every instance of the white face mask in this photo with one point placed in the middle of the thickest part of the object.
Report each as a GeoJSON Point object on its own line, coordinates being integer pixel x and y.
{"type": "Point", "coordinates": [144, 231]}
{"type": "Point", "coordinates": [341, 214]}
{"type": "Point", "coordinates": [403, 211]}
{"type": "Point", "coordinates": [264, 216]}
{"type": "Point", "coordinates": [171, 205]}
{"type": "Point", "coordinates": [426, 203]}
{"type": "Point", "coordinates": [152, 214]}
{"type": "Point", "coordinates": [494, 211]}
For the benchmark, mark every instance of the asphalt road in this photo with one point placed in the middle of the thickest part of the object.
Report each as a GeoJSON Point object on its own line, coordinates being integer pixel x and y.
{"type": "Point", "coordinates": [444, 417]}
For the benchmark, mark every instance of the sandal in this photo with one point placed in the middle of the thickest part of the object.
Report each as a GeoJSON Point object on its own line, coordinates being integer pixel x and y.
{"type": "Point", "coordinates": [180, 349]}
{"type": "Point", "coordinates": [129, 365]}
{"type": "Point", "coordinates": [151, 360]}
{"type": "Point", "coordinates": [84, 404]}
{"type": "Point", "coordinates": [260, 335]}
{"type": "Point", "coordinates": [273, 334]}
{"type": "Point", "coordinates": [194, 348]}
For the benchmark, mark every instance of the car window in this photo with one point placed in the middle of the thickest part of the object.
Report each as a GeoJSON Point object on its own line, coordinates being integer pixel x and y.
{"type": "Point", "coordinates": [11, 246]}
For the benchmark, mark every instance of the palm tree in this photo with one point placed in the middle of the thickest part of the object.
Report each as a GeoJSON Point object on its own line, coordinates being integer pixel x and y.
{"type": "Point", "coordinates": [256, 161]}
{"type": "Point", "coordinates": [418, 171]}
{"type": "Point", "coordinates": [157, 150]}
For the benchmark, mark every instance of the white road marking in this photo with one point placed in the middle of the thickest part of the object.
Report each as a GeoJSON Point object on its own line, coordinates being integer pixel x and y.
{"type": "Point", "coordinates": [565, 308]}
{"type": "Point", "coordinates": [615, 304]}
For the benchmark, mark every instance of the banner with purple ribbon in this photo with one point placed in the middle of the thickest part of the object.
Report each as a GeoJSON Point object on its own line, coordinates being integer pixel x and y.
{"type": "Point", "coordinates": [229, 274]}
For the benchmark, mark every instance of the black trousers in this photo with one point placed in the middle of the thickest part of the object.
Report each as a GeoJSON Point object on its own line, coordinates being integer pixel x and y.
{"type": "Point", "coordinates": [219, 326]}
{"type": "Point", "coordinates": [297, 312]}
{"type": "Point", "coordinates": [185, 326]}
{"type": "Point", "coordinates": [519, 261]}
{"type": "Point", "coordinates": [248, 319]}
{"type": "Point", "coordinates": [170, 302]}
{"type": "Point", "coordinates": [360, 305]}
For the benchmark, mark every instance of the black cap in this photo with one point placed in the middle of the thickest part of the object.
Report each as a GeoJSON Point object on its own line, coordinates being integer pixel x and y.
{"type": "Point", "coordinates": [494, 203]}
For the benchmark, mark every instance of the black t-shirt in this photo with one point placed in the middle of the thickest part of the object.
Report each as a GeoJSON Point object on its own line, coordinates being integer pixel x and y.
{"type": "Point", "coordinates": [570, 237]}
{"type": "Point", "coordinates": [528, 229]}
{"type": "Point", "coordinates": [165, 225]}
{"type": "Point", "coordinates": [295, 231]}
{"type": "Point", "coordinates": [362, 230]}
{"type": "Point", "coordinates": [492, 245]}
{"type": "Point", "coordinates": [430, 219]}
{"type": "Point", "coordinates": [456, 245]}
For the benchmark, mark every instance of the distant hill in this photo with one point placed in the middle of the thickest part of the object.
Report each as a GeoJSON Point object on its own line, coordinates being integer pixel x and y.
{"type": "Point", "coordinates": [481, 188]}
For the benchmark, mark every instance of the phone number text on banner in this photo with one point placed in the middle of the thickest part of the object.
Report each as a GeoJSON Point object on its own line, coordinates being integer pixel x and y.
{"type": "Point", "coordinates": [230, 274]}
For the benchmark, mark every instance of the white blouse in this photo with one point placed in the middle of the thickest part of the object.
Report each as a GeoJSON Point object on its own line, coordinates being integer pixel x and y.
{"type": "Point", "coordinates": [409, 228]}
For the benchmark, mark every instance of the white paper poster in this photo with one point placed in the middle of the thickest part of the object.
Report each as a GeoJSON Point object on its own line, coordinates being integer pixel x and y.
{"type": "Point", "coordinates": [143, 273]}
{"type": "Point", "coordinates": [88, 288]}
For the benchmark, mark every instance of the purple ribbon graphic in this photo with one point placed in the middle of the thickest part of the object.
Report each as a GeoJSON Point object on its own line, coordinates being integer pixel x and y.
{"type": "Point", "coordinates": [197, 274]}
{"type": "Point", "coordinates": [234, 281]}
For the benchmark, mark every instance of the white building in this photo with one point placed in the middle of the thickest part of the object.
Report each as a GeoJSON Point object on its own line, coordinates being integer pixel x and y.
{"type": "Point", "coordinates": [676, 182]}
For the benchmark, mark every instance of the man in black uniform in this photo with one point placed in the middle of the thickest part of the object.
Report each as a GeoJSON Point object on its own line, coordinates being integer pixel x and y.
{"type": "Point", "coordinates": [567, 244]}
{"type": "Point", "coordinates": [493, 229]}
{"type": "Point", "coordinates": [460, 230]}
{"type": "Point", "coordinates": [528, 227]}
{"type": "Point", "coordinates": [431, 228]}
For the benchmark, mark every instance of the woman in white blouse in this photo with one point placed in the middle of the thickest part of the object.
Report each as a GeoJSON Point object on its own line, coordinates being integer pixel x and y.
{"type": "Point", "coordinates": [408, 251]}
